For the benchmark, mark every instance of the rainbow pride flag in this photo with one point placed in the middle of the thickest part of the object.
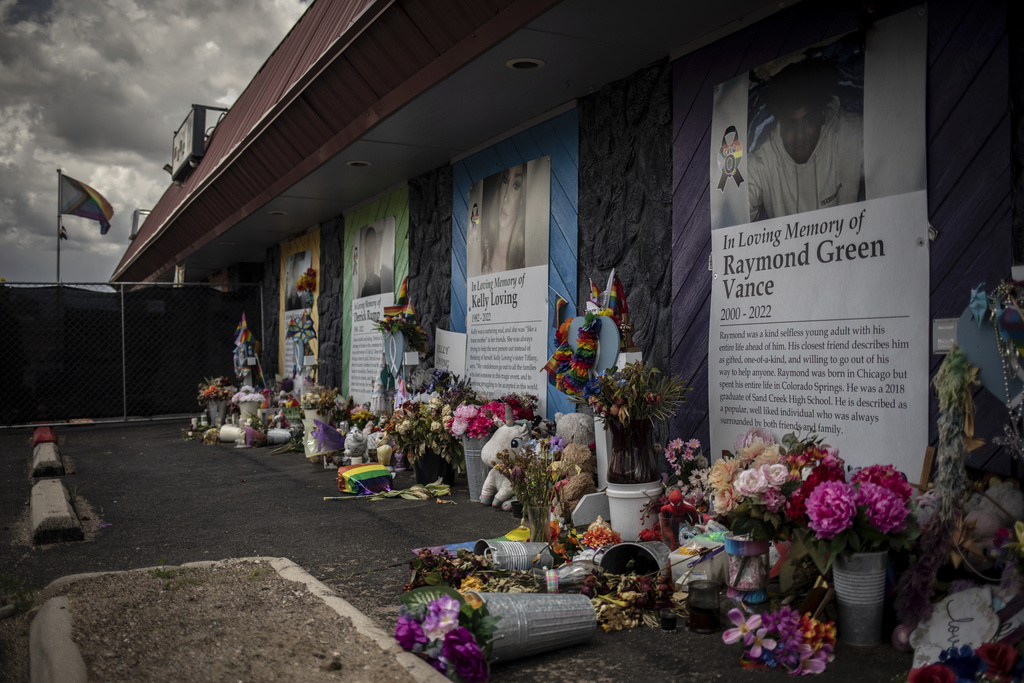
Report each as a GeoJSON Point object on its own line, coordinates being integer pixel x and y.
{"type": "Point", "coordinates": [78, 199]}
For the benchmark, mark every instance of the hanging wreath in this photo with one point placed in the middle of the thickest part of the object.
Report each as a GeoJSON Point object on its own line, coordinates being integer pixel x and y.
{"type": "Point", "coordinates": [572, 369]}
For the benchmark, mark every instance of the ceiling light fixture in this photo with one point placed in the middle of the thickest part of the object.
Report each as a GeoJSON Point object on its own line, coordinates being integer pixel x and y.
{"type": "Point", "coordinates": [524, 63]}
{"type": "Point", "coordinates": [277, 212]}
{"type": "Point", "coordinates": [358, 163]}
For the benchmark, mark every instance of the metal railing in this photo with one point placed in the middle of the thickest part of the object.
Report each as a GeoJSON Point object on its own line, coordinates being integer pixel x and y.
{"type": "Point", "coordinates": [95, 352]}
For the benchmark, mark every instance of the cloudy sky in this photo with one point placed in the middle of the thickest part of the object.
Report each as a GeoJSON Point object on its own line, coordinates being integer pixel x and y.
{"type": "Point", "coordinates": [97, 87]}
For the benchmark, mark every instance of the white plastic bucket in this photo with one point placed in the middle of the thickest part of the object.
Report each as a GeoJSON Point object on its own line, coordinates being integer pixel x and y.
{"type": "Point", "coordinates": [626, 506]}
{"type": "Point", "coordinates": [230, 433]}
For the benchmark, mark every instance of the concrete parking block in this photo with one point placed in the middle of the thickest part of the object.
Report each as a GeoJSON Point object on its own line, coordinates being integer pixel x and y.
{"type": "Point", "coordinates": [53, 518]}
{"type": "Point", "coordinates": [53, 656]}
{"type": "Point", "coordinates": [46, 461]}
{"type": "Point", "coordinates": [43, 435]}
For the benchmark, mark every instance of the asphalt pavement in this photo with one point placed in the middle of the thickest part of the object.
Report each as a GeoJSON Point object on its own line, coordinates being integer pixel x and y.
{"type": "Point", "coordinates": [159, 499]}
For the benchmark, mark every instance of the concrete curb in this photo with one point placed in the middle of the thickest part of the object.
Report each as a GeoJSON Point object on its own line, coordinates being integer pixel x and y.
{"type": "Point", "coordinates": [46, 461]}
{"type": "Point", "coordinates": [417, 668]}
{"type": "Point", "coordinates": [53, 656]}
{"type": "Point", "coordinates": [53, 518]}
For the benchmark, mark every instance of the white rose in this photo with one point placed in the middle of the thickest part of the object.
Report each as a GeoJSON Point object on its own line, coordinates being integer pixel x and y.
{"type": "Point", "coordinates": [777, 475]}
{"type": "Point", "coordinates": [750, 482]}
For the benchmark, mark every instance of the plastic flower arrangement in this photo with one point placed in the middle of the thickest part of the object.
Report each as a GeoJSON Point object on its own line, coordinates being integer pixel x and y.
{"type": "Point", "coordinates": [414, 334]}
{"type": "Point", "coordinates": [451, 632]}
{"type": "Point", "coordinates": [247, 394]}
{"type": "Point", "coordinates": [215, 389]}
{"type": "Point", "coordinates": [636, 392]}
{"type": "Point", "coordinates": [875, 510]}
{"type": "Point", "coordinates": [783, 638]}
{"type": "Point", "coordinates": [987, 662]}
{"type": "Point", "coordinates": [751, 488]}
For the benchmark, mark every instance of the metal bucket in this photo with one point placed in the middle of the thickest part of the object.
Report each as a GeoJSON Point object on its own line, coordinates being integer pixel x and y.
{"type": "Point", "coordinates": [277, 436]}
{"type": "Point", "coordinates": [476, 471]}
{"type": "Point", "coordinates": [648, 558]}
{"type": "Point", "coordinates": [859, 581]}
{"type": "Point", "coordinates": [509, 555]}
{"type": "Point", "coordinates": [535, 622]}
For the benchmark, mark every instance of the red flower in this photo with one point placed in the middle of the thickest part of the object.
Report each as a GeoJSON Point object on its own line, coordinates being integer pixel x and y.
{"type": "Point", "coordinates": [796, 507]}
{"type": "Point", "coordinates": [933, 673]}
{"type": "Point", "coordinates": [1000, 657]}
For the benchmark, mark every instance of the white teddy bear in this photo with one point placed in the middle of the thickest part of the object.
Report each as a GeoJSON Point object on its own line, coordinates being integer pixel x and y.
{"type": "Point", "coordinates": [497, 489]}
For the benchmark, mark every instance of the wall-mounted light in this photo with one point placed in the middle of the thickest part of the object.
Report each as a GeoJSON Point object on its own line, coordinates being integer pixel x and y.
{"type": "Point", "coordinates": [524, 63]}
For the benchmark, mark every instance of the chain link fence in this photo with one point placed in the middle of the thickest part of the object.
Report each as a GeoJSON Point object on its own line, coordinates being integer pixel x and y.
{"type": "Point", "coordinates": [115, 352]}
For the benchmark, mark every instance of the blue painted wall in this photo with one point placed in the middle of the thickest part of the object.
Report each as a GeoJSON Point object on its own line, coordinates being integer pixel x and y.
{"type": "Point", "coordinates": [559, 138]}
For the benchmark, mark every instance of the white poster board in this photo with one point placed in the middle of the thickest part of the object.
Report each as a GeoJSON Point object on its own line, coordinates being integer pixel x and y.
{"type": "Point", "coordinates": [373, 284]}
{"type": "Point", "coordinates": [450, 351]}
{"type": "Point", "coordinates": [507, 264]}
{"type": "Point", "coordinates": [819, 304]}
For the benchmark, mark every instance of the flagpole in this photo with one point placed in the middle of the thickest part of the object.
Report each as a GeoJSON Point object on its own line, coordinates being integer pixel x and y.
{"type": "Point", "coordinates": [60, 201]}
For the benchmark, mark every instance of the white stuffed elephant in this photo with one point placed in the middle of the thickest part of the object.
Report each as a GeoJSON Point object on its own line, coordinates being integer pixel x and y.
{"type": "Point", "coordinates": [497, 489]}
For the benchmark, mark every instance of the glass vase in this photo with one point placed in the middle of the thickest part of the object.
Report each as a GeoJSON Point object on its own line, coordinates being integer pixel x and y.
{"type": "Point", "coordinates": [632, 459]}
{"type": "Point", "coordinates": [538, 519]}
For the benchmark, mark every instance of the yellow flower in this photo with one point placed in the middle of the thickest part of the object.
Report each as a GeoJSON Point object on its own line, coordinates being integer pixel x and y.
{"type": "Point", "coordinates": [471, 583]}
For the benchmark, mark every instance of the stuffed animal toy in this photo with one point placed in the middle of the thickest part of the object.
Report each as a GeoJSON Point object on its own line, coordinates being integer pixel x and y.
{"type": "Point", "coordinates": [576, 471]}
{"type": "Point", "coordinates": [356, 445]}
{"type": "Point", "coordinates": [575, 428]}
{"type": "Point", "coordinates": [497, 489]}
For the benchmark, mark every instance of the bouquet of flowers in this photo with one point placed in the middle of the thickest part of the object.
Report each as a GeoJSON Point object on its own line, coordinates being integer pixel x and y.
{"type": "Point", "coordinates": [530, 472]}
{"type": "Point", "coordinates": [247, 394]}
{"type": "Point", "coordinates": [417, 427]}
{"type": "Point", "coordinates": [636, 392]}
{"type": "Point", "coordinates": [307, 281]}
{"type": "Point", "coordinates": [451, 632]}
{"type": "Point", "coordinates": [215, 389]}
{"type": "Point", "coordinates": [874, 510]}
{"type": "Point", "coordinates": [751, 487]}
{"type": "Point", "coordinates": [783, 638]}
{"type": "Point", "coordinates": [473, 421]}
{"type": "Point", "coordinates": [320, 399]}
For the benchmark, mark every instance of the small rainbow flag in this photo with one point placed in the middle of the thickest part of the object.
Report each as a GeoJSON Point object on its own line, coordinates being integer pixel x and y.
{"type": "Point", "coordinates": [403, 293]}
{"type": "Point", "coordinates": [561, 307]}
{"type": "Point", "coordinates": [595, 293]}
{"type": "Point", "coordinates": [78, 199]}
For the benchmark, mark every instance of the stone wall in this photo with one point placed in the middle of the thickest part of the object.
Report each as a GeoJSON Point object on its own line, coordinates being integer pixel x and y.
{"type": "Point", "coordinates": [330, 302]}
{"type": "Point", "coordinates": [430, 248]}
{"type": "Point", "coordinates": [625, 200]}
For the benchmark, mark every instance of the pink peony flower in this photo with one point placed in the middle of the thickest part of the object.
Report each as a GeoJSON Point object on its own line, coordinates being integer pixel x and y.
{"type": "Point", "coordinates": [750, 483]}
{"type": "Point", "coordinates": [724, 501]}
{"type": "Point", "coordinates": [776, 475]}
{"type": "Point", "coordinates": [458, 426]}
{"type": "Point", "coordinates": [751, 435]}
{"type": "Point", "coordinates": [773, 499]}
{"type": "Point", "coordinates": [466, 412]}
{"type": "Point", "coordinates": [886, 511]}
{"type": "Point", "coordinates": [831, 508]}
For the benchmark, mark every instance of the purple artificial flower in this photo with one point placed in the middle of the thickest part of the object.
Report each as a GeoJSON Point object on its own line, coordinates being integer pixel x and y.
{"type": "Point", "coordinates": [745, 627]}
{"type": "Point", "coordinates": [831, 508]}
{"type": "Point", "coordinates": [759, 642]}
{"type": "Point", "coordinates": [463, 653]}
{"type": "Point", "coordinates": [783, 622]}
{"type": "Point", "coordinates": [813, 661]}
{"type": "Point", "coordinates": [884, 508]}
{"type": "Point", "coordinates": [408, 633]}
{"type": "Point", "coordinates": [442, 617]}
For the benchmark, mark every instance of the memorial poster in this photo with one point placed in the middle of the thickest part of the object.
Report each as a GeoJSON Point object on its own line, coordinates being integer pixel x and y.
{"type": "Point", "coordinates": [373, 288]}
{"type": "Point", "coordinates": [507, 268]}
{"type": "Point", "coordinates": [819, 304]}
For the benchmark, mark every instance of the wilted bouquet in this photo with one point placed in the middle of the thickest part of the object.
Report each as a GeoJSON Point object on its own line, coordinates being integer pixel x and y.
{"type": "Point", "coordinates": [451, 632]}
{"type": "Point", "coordinates": [418, 427]}
{"type": "Point", "coordinates": [529, 470]}
{"type": "Point", "coordinates": [215, 389]}
{"type": "Point", "coordinates": [636, 392]}
{"type": "Point", "coordinates": [320, 399]}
